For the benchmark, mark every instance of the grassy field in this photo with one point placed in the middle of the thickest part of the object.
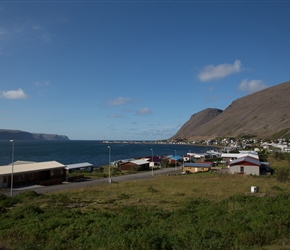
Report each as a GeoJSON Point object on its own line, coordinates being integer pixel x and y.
{"type": "Point", "coordinates": [170, 192]}
{"type": "Point", "coordinates": [196, 211]}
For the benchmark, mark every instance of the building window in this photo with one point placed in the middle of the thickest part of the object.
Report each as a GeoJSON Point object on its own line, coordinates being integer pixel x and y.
{"type": "Point", "coordinates": [242, 170]}
{"type": "Point", "coordinates": [52, 172]}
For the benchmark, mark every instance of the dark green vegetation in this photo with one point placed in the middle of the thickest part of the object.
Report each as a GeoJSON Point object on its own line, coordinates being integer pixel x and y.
{"type": "Point", "coordinates": [237, 222]}
{"type": "Point", "coordinates": [198, 211]}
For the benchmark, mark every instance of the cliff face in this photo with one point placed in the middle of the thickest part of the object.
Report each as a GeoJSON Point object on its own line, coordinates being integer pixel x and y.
{"type": "Point", "coordinates": [6, 134]}
{"type": "Point", "coordinates": [263, 114]}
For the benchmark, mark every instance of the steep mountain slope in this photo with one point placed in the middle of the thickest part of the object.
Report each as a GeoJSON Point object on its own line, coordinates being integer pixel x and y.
{"type": "Point", "coordinates": [262, 114]}
{"type": "Point", "coordinates": [197, 120]}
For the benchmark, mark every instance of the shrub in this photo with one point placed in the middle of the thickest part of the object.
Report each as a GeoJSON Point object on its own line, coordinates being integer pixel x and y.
{"type": "Point", "coordinates": [279, 156]}
{"type": "Point", "coordinates": [6, 202]}
{"type": "Point", "coordinates": [277, 188]}
{"type": "Point", "coordinates": [28, 194]}
{"type": "Point", "coordinates": [152, 189]}
{"type": "Point", "coordinates": [283, 174]}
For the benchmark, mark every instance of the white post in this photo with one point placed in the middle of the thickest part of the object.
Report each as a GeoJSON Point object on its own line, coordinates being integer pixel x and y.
{"type": "Point", "coordinates": [109, 164]}
{"type": "Point", "coordinates": [152, 160]}
{"type": "Point", "coordinates": [175, 159]}
{"type": "Point", "coordinates": [12, 167]}
{"type": "Point", "coordinates": [182, 164]}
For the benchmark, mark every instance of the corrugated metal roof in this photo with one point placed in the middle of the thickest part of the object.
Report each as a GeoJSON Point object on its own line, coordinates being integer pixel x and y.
{"type": "Point", "coordinates": [30, 167]}
{"type": "Point", "coordinates": [245, 159]}
{"type": "Point", "coordinates": [140, 162]}
{"type": "Point", "coordinates": [79, 165]}
{"type": "Point", "coordinates": [239, 155]}
{"type": "Point", "coordinates": [23, 162]}
{"type": "Point", "coordinates": [198, 164]}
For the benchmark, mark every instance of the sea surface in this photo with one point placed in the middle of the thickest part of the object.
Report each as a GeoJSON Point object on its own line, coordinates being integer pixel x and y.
{"type": "Point", "coordinates": [94, 152]}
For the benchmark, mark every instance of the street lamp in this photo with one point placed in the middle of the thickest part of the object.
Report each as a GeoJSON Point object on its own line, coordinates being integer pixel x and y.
{"type": "Point", "coordinates": [182, 164]}
{"type": "Point", "coordinates": [175, 159]}
{"type": "Point", "coordinates": [12, 166]}
{"type": "Point", "coordinates": [152, 160]}
{"type": "Point", "coordinates": [109, 164]}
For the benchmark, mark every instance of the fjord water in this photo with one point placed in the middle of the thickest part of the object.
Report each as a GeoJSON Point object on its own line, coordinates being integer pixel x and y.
{"type": "Point", "coordinates": [95, 152]}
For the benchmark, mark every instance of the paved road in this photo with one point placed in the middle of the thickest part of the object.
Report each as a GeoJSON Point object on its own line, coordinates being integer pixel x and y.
{"type": "Point", "coordinates": [90, 183]}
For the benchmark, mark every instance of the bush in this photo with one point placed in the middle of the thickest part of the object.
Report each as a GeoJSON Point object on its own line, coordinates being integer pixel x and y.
{"type": "Point", "coordinates": [237, 222]}
{"type": "Point", "coordinates": [283, 174]}
{"type": "Point", "coordinates": [277, 188]}
{"type": "Point", "coordinates": [6, 202]}
{"type": "Point", "coordinates": [279, 156]}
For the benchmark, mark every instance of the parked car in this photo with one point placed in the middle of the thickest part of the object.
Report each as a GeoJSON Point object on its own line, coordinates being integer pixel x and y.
{"type": "Point", "coordinates": [266, 169]}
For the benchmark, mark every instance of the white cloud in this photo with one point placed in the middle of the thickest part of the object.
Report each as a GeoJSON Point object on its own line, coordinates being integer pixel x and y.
{"type": "Point", "coordinates": [41, 84]}
{"type": "Point", "coordinates": [211, 72]}
{"type": "Point", "coordinates": [13, 94]}
{"type": "Point", "coordinates": [119, 101]}
{"type": "Point", "coordinates": [26, 31]}
{"type": "Point", "coordinates": [143, 111]}
{"type": "Point", "coordinates": [252, 86]}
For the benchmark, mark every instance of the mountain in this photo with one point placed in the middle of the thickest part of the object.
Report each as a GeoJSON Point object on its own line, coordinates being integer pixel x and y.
{"type": "Point", "coordinates": [197, 120]}
{"type": "Point", "coordinates": [6, 134]}
{"type": "Point", "coordinates": [264, 114]}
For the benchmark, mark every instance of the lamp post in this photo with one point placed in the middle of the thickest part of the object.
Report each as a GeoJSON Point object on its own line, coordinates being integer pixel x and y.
{"type": "Point", "coordinates": [175, 159]}
{"type": "Point", "coordinates": [12, 166]}
{"type": "Point", "coordinates": [182, 164]}
{"type": "Point", "coordinates": [109, 164]}
{"type": "Point", "coordinates": [152, 160]}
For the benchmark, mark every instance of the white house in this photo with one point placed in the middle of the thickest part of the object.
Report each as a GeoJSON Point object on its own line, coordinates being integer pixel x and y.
{"type": "Point", "coordinates": [85, 166]}
{"type": "Point", "coordinates": [228, 157]}
{"type": "Point", "coordinates": [245, 165]}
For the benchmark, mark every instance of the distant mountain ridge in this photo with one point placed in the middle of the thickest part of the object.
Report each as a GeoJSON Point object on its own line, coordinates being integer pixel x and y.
{"type": "Point", "coordinates": [6, 134]}
{"type": "Point", "coordinates": [264, 114]}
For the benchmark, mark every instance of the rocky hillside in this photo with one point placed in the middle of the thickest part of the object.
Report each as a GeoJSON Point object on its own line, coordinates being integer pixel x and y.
{"type": "Point", "coordinates": [264, 114]}
{"type": "Point", "coordinates": [6, 134]}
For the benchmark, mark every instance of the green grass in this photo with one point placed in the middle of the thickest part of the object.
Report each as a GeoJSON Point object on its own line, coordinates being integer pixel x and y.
{"type": "Point", "coordinates": [197, 211]}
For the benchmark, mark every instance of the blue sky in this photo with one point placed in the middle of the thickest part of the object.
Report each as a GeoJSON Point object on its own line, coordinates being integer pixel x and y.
{"type": "Point", "coordinates": [134, 70]}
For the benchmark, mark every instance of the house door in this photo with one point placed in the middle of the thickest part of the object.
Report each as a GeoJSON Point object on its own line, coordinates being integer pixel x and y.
{"type": "Point", "coordinates": [5, 182]}
{"type": "Point", "coordinates": [242, 170]}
